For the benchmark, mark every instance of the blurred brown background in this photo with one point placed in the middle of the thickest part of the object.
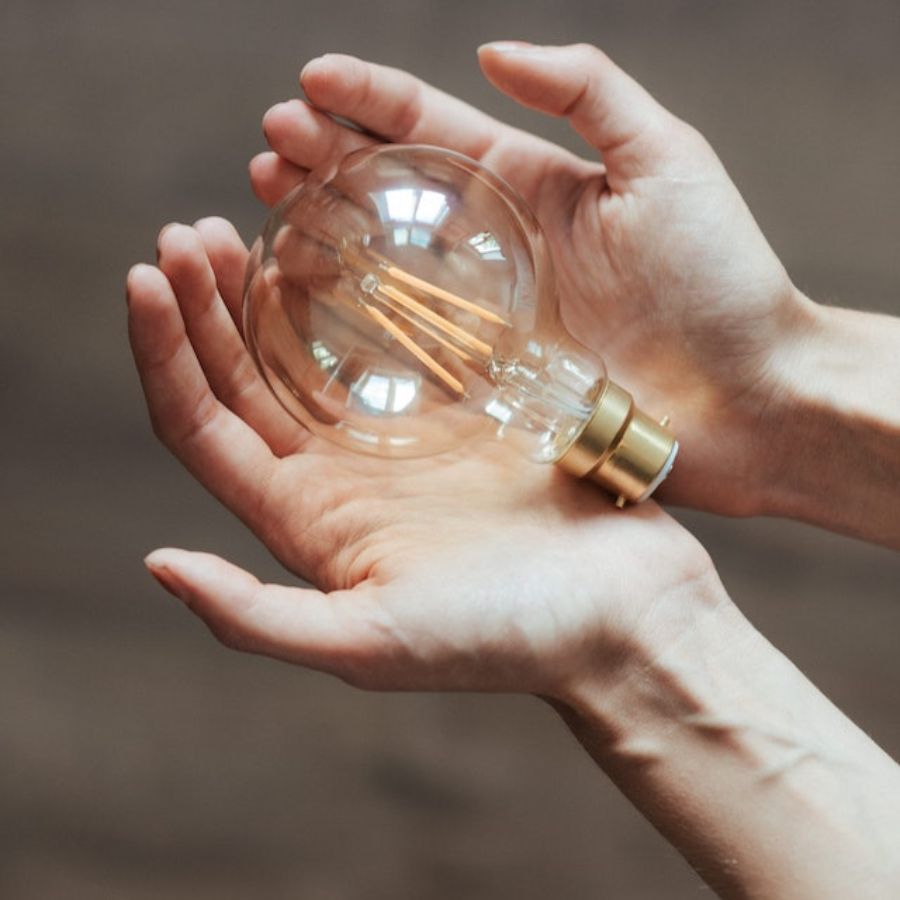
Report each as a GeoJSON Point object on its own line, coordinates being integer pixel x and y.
{"type": "Point", "coordinates": [138, 758]}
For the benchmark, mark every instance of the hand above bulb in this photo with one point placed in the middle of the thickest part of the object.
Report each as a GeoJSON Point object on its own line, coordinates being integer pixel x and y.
{"type": "Point", "coordinates": [661, 267]}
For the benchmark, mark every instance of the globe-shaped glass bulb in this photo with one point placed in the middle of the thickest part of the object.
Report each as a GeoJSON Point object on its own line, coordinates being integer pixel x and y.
{"type": "Point", "coordinates": [402, 303]}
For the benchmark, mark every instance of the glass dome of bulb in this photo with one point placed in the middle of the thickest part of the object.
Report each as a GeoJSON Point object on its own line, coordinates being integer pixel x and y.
{"type": "Point", "coordinates": [402, 303]}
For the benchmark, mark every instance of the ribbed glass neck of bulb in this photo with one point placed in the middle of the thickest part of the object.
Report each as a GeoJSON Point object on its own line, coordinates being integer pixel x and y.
{"type": "Point", "coordinates": [545, 395]}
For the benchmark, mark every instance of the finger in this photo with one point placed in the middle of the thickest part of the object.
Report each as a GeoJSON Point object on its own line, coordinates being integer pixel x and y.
{"type": "Point", "coordinates": [307, 137]}
{"type": "Point", "coordinates": [397, 106]}
{"type": "Point", "coordinates": [329, 632]}
{"type": "Point", "coordinates": [223, 357]}
{"type": "Point", "coordinates": [605, 106]}
{"type": "Point", "coordinates": [230, 459]}
{"type": "Point", "coordinates": [228, 258]}
{"type": "Point", "coordinates": [271, 177]}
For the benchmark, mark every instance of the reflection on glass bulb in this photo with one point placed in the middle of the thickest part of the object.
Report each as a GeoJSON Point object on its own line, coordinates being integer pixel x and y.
{"type": "Point", "coordinates": [403, 303]}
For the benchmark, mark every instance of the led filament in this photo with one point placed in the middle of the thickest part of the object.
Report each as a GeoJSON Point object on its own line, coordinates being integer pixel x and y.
{"type": "Point", "coordinates": [420, 314]}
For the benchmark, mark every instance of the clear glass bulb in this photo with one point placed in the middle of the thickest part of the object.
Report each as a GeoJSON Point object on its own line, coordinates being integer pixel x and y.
{"type": "Point", "coordinates": [402, 303]}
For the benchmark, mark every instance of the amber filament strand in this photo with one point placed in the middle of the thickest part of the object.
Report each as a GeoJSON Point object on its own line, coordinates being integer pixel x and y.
{"type": "Point", "coordinates": [420, 354]}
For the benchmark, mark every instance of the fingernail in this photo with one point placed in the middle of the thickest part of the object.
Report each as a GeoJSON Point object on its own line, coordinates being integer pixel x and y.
{"type": "Point", "coordinates": [162, 234]}
{"type": "Point", "coordinates": [157, 567]}
{"type": "Point", "coordinates": [129, 279]}
{"type": "Point", "coordinates": [308, 66]}
{"type": "Point", "coordinates": [205, 222]}
{"type": "Point", "coordinates": [134, 271]}
{"type": "Point", "coordinates": [271, 109]}
{"type": "Point", "coordinates": [508, 46]}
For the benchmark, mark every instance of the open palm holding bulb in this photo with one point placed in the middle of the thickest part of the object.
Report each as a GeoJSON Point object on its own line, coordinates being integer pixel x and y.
{"type": "Point", "coordinates": [401, 303]}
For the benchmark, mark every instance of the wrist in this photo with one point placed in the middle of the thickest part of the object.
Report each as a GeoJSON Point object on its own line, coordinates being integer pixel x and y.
{"type": "Point", "coordinates": [623, 696]}
{"type": "Point", "coordinates": [831, 424]}
{"type": "Point", "coordinates": [737, 759]}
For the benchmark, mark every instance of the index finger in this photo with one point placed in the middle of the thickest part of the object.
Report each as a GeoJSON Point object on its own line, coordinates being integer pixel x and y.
{"type": "Point", "coordinates": [397, 106]}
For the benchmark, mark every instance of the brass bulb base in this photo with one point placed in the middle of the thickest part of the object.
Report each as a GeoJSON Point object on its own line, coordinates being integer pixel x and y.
{"type": "Point", "coordinates": [621, 448]}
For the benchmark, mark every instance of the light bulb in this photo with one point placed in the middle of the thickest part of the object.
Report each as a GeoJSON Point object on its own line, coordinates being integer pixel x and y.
{"type": "Point", "coordinates": [402, 303]}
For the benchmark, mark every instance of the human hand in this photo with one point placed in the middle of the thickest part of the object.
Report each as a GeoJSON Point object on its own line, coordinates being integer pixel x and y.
{"type": "Point", "coordinates": [478, 570]}
{"type": "Point", "coordinates": [660, 264]}
{"type": "Point", "coordinates": [470, 570]}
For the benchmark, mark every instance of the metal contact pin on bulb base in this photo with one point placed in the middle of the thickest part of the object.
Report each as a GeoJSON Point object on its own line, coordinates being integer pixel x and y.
{"type": "Point", "coordinates": [402, 304]}
{"type": "Point", "coordinates": [621, 448]}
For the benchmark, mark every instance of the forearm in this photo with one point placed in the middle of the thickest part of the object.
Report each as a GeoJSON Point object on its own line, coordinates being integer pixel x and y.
{"type": "Point", "coordinates": [833, 432]}
{"type": "Point", "coordinates": [765, 787]}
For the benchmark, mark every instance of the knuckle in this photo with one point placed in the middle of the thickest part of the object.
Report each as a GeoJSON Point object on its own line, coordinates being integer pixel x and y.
{"type": "Point", "coordinates": [365, 89]}
{"type": "Point", "coordinates": [159, 432]}
{"type": "Point", "coordinates": [239, 392]}
{"type": "Point", "coordinates": [355, 676]}
{"type": "Point", "coordinates": [230, 637]}
{"type": "Point", "coordinates": [408, 110]}
{"type": "Point", "coordinates": [589, 55]}
{"type": "Point", "coordinates": [365, 673]}
{"type": "Point", "coordinates": [690, 137]}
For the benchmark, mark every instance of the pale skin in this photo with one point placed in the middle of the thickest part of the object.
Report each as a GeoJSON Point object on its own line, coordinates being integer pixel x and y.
{"type": "Point", "coordinates": [477, 570]}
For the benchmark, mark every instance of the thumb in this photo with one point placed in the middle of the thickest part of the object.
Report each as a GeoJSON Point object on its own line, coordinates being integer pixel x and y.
{"type": "Point", "coordinates": [303, 626]}
{"type": "Point", "coordinates": [606, 107]}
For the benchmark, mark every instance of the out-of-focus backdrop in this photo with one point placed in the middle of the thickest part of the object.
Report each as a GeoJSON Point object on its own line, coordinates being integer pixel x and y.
{"type": "Point", "coordinates": [138, 759]}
